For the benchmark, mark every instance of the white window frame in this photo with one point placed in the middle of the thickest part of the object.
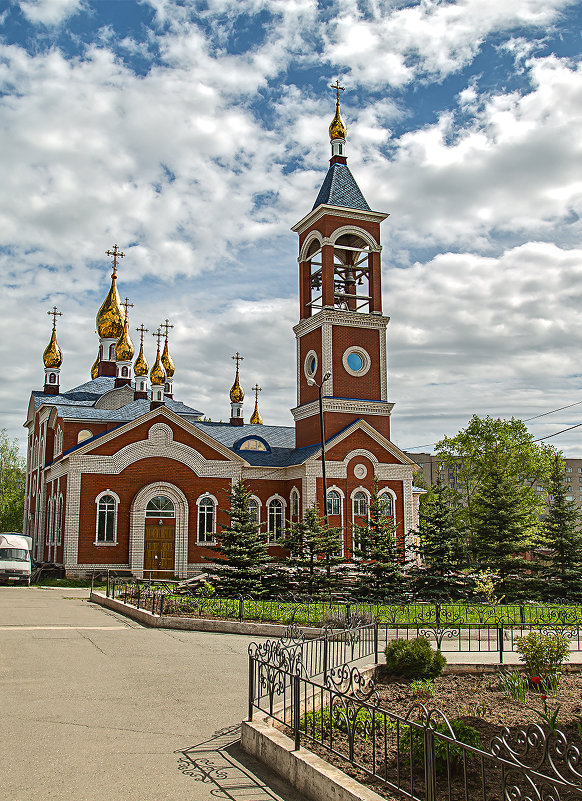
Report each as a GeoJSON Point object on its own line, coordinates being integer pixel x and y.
{"type": "Point", "coordinates": [47, 538]}
{"type": "Point", "coordinates": [58, 441]}
{"type": "Point", "coordinates": [294, 498]}
{"type": "Point", "coordinates": [270, 532]}
{"type": "Point", "coordinates": [257, 500]}
{"type": "Point", "coordinates": [212, 540]}
{"type": "Point", "coordinates": [106, 543]}
{"type": "Point", "coordinates": [60, 507]}
{"type": "Point", "coordinates": [355, 492]}
{"type": "Point", "coordinates": [392, 494]}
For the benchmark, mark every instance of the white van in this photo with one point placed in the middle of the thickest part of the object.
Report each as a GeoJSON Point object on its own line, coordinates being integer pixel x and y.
{"type": "Point", "coordinates": [15, 558]}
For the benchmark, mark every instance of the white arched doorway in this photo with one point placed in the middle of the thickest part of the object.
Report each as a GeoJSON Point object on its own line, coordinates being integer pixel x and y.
{"type": "Point", "coordinates": [137, 525]}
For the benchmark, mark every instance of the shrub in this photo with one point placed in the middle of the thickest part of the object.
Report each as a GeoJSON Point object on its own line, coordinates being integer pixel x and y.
{"type": "Point", "coordinates": [414, 659]}
{"type": "Point", "coordinates": [543, 654]}
{"type": "Point", "coordinates": [412, 741]}
{"type": "Point", "coordinates": [515, 684]}
{"type": "Point", "coordinates": [422, 688]}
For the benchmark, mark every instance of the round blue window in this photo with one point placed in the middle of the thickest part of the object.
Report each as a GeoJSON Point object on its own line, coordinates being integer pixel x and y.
{"type": "Point", "coordinates": [355, 362]}
{"type": "Point", "coordinates": [312, 365]}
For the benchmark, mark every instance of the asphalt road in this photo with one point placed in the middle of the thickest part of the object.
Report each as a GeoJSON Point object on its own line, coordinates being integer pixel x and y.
{"type": "Point", "coordinates": [95, 707]}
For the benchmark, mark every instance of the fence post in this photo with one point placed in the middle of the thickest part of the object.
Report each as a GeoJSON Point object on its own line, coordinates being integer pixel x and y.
{"type": "Point", "coordinates": [500, 643]}
{"type": "Point", "coordinates": [92, 579]}
{"type": "Point", "coordinates": [521, 614]}
{"type": "Point", "coordinates": [325, 657]}
{"type": "Point", "coordinates": [162, 598]}
{"type": "Point", "coordinates": [296, 711]}
{"type": "Point", "coordinates": [241, 609]}
{"type": "Point", "coordinates": [251, 685]}
{"type": "Point", "coordinates": [138, 594]}
{"type": "Point", "coordinates": [429, 764]}
{"type": "Point", "coordinates": [437, 608]}
{"type": "Point", "coordinates": [108, 586]}
{"type": "Point", "coordinates": [375, 642]}
{"type": "Point", "coordinates": [348, 613]}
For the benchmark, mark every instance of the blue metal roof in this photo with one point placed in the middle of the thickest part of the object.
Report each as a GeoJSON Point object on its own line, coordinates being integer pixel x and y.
{"type": "Point", "coordinates": [339, 188]}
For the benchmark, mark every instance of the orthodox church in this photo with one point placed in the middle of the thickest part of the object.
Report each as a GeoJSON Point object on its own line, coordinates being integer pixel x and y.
{"type": "Point", "coordinates": [122, 475]}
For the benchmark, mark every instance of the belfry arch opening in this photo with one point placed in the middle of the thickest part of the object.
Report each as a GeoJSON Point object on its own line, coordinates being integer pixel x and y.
{"type": "Point", "coordinates": [351, 260]}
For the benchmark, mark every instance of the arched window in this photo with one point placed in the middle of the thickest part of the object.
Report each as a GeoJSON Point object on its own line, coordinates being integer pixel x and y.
{"type": "Point", "coordinates": [83, 435]}
{"type": "Point", "coordinates": [160, 506]}
{"type": "Point", "coordinates": [124, 372]}
{"type": "Point", "coordinates": [253, 507]}
{"type": "Point", "coordinates": [275, 519]}
{"type": "Point", "coordinates": [333, 503]}
{"type": "Point", "coordinates": [386, 502]}
{"type": "Point", "coordinates": [112, 353]}
{"type": "Point", "coordinates": [106, 519]}
{"type": "Point", "coordinates": [48, 523]}
{"type": "Point", "coordinates": [60, 521]}
{"type": "Point", "coordinates": [252, 444]}
{"type": "Point", "coordinates": [206, 519]}
{"type": "Point", "coordinates": [360, 504]}
{"type": "Point", "coordinates": [294, 503]}
{"type": "Point", "coordinates": [52, 378]}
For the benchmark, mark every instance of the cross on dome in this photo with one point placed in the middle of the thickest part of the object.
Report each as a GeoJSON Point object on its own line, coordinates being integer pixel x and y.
{"type": "Point", "coordinates": [141, 330]}
{"type": "Point", "coordinates": [337, 88]}
{"type": "Point", "coordinates": [116, 254]}
{"type": "Point", "coordinates": [54, 314]}
{"type": "Point", "coordinates": [238, 359]}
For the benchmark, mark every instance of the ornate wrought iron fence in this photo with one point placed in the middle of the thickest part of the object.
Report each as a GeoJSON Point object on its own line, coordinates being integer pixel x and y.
{"type": "Point", "coordinates": [418, 755]}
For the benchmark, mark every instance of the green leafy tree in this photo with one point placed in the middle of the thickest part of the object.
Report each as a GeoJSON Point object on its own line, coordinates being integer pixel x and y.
{"type": "Point", "coordinates": [12, 482]}
{"type": "Point", "coordinates": [562, 537]}
{"type": "Point", "coordinates": [505, 522]}
{"type": "Point", "coordinates": [243, 550]}
{"type": "Point", "coordinates": [314, 550]}
{"type": "Point", "coordinates": [505, 447]}
{"type": "Point", "coordinates": [441, 548]}
{"type": "Point", "coordinates": [382, 560]}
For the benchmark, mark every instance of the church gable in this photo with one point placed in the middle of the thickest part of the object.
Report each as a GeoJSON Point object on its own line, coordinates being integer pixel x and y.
{"type": "Point", "coordinates": [361, 436]}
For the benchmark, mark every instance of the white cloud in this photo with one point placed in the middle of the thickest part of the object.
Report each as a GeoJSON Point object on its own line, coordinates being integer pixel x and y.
{"type": "Point", "coordinates": [50, 12]}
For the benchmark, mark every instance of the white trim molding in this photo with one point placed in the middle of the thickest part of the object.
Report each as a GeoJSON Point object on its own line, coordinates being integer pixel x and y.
{"type": "Point", "coordinates": [137, 526]}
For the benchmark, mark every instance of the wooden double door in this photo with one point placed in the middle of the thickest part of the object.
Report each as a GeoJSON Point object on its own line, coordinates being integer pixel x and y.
{"type": "Point", "coordinates": [159, 548]}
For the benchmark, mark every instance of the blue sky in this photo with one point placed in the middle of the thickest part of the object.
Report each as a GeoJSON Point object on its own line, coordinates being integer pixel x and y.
{"type": "Point", "coordinates": [194, 135]}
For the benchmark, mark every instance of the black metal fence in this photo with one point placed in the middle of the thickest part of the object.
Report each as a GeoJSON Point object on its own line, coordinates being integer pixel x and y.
{"type": "Point", "coordinates": [419, 755]}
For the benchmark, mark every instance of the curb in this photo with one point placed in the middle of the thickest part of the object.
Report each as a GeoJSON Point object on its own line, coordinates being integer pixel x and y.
{"type": "Point", "coordinates": [307, 773]}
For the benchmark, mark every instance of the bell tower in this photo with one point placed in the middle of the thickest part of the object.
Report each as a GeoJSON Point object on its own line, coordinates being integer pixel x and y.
{"type": "Point", "coordinates": [342, 329]}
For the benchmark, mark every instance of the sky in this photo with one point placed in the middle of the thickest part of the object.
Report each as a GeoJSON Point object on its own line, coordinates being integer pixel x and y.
{"type": "Point", "coordinates": [194, 135]}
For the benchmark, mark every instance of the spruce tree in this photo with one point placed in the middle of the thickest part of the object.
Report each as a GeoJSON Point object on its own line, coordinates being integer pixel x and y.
{"type": "Point", "coordinates": [504, 526]}
{"type": "Point", "coordinates": [441, 547]}
{"type": "Point", "coordinates": [314, 549]}
{"type": "Point", "coordinates": [243, 550]}
{"type": "Point", "coordinates": [375, 544]}
{"type": "Point", "coordinates": [563, 538]}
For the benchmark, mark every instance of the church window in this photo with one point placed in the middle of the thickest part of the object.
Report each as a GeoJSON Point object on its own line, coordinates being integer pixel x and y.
{"type": "Point", "coordinates": [83, 435]}
{"type": "Point", "coordinates": [206, 519]}
{"type": "Point", "coordinates": [106, 514]}
{"type": "Point", "coordinates": [60, 521]}
{"type": "Point", "coordinates": [52, 378]}
{"type": "Point", "coordinates": [124, 372]}
{"type": "Point", "coordinates": [253, 507]}
{"type": "Point", "coordinates": [356, 361]}
{"type": "Point", "coordinates": [275, 519]}
{"type": "Point", "coordinates": [254, 444]}
{"type": "Point", "coordinates": [360, 504]}
{"type": "Point", "coordinates": [310, 364]}
{"type": "Point", "coordinates": [333, 503]}
{"type": "Point", "coordinates": [160, 506]}
{"type": "Point", "coordinates": [48, 523]}
{"type": "Point", "coordinates": [166, 387]}
{"type": "Point", "coordinates": [294, 503]}
{"type": "Point", "coordinates": [112, 353]}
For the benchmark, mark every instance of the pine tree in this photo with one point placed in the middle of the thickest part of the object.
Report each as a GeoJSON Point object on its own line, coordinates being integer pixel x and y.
{"type": "Point", "coordinates": [563, 538]}
{"type": "Point", "coordinates": [243, 551]}
{"type": "Point", "coordinates": [314, 549]}
{"type": "Point", "coordinates": [504, 526]}
{"type": "Point", "coordinates": [441, 547]}
{"type": "Point", "coordinates": [375, 544]}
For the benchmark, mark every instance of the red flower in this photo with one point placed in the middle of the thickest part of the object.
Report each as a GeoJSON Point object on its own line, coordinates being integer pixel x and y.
{"type": "Point", "coordinates": [536, 679]}
{"type": "Point", "coordinates": [543, 696]}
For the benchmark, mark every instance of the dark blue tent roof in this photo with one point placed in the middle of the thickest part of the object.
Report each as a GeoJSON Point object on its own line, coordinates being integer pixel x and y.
{"type": "Point", "coordinates": [340, 189]}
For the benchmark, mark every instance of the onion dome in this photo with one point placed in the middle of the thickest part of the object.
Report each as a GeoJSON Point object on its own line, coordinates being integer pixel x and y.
{"type": "Point", "coordinates": [168, 362]}
{"type": "Point", "coordinates": [52, 356]}
{"type": "Point", "coordinates": [337, 129]}
{"type": "Point", "coordinates": [111, 315]}
{"type": "Point", "coordinates": [141, 367]}
{"type": "Point", "coordinates": [237, 394]}
{"type": "Point", "coordinates": [95, 368]}
{"type": "Point", "coordinates": [158, 374]}
{"type": "Point", "coordinates": [124, 349]}
{"type": "Point", "coordinates": [256, 418]}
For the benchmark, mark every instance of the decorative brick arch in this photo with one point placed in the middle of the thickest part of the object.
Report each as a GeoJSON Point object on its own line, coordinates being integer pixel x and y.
{"type": "Point", "coordinates": [137, 526]}
{"type": "Point", "coordinates": [313, 236]}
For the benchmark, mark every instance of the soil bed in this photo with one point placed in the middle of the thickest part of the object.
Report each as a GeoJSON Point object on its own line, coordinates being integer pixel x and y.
{"type": "Point", "coordinates": [482, 703]}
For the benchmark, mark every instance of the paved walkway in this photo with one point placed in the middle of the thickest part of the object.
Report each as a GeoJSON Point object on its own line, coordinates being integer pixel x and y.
{"type": "Point", "coordinates": [95, 707]}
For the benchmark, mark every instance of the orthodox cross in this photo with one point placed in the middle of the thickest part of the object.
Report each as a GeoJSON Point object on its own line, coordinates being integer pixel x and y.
{"type": "Point", "coordinates": [117, 254]}
{"type": "Point", "coordinates": [127, 305]}
{"type": "Point", "coordinates": [54, 314]}
{"type": "Point", "coordinates": [256, 390]}
{"type": "Point", "coordinates": [141, 330]}
{"type": "Point", "coordinates": [238, 358]}
{"type": "Point", "coordinates": [158, 335]}
{"type": "Point", "coordinates": [166, 325]}
{"type": "Point", "coordinates": [337, 88]}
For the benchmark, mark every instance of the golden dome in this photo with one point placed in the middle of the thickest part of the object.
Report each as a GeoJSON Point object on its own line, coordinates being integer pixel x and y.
{"type": "Point", "coordinates": [256, 418]}
{"type": "Point", "coordinates": [141, 367]}
{"type": "Point", "coordinates": [168, 363]}
{"type": "Point", "coordinates": [124, 349]}
{"type": "Point", "coordinates": [95, 368]}
{"type": "Point", "coordinates": [237, 394]}
{"type": "Point", "coordinates": [337, 129]}
{"type": "Point", "coordinates": [111, 315]}
{"type": "Point", "coordinates": [52, 356]}
{"type": "Point", "coordinates": [158, 374]}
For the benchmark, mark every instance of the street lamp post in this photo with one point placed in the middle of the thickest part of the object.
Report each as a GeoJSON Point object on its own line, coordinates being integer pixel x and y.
{"type": "Point", "coordinates": [313, 383]}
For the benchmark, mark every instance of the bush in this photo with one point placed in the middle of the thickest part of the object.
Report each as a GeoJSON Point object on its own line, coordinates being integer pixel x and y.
{"type": "Point", "coordinates": [543, 654]}
{"type": "Point", "coordinates": [414, 659]}
{"type": "Point", "coordinates": [463, 733]}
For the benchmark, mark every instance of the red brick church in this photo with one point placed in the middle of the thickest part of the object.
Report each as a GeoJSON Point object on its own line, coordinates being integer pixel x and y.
{"type": "Point", "coordinates": [121, 475]}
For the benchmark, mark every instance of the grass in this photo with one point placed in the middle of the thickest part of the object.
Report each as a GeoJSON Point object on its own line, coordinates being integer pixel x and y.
{"type": "Point", "coordinates": [67, 582]}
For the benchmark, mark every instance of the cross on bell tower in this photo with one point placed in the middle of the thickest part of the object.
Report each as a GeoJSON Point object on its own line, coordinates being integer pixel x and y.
{"type": "Point", "coordinates": [52, 358]}
{"type": "Point", "coordinates": [237, 396]}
